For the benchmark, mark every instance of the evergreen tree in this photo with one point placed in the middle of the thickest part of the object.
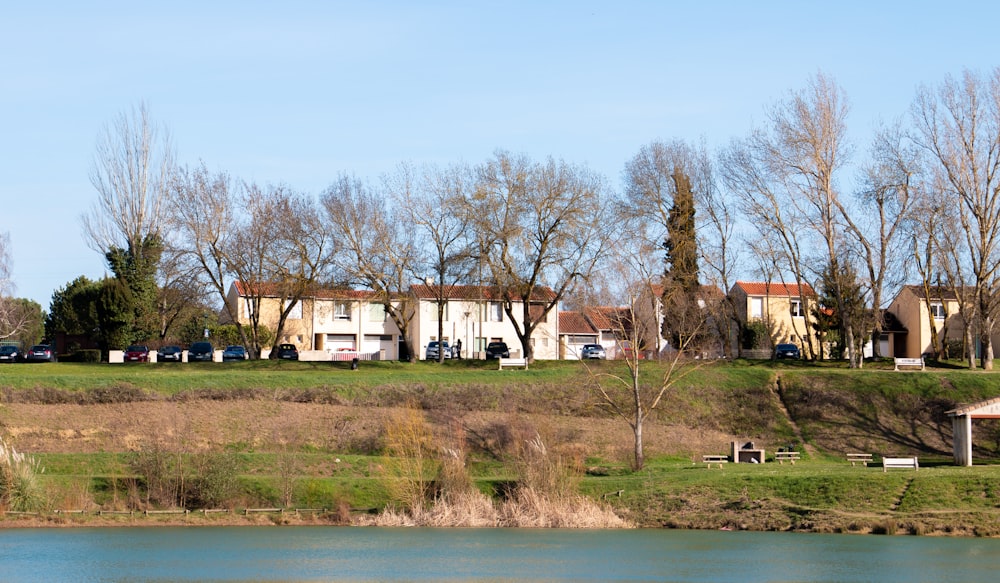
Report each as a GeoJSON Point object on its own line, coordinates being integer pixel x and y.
{"type": "Point", "coordinates": [681, 245]}
{"type": "Point", "coordinates": [73, 309]}
{"type": "Point", "coordinates": [135, 268]}
{"type": "Point", "coordinates": [827, 318]}
{"type": "Point", "coordinates": [115, 314]}
{"type": "Point", "coordinates": [685, 319]}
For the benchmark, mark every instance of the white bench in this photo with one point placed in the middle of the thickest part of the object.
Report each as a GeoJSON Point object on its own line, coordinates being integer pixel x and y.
{"type": "Point", "coordinates": [859, 458]}
{"type": "Point", "coordinates": [789, 456]}
{"type": "Point", "coordinates": [908, 362]}
{"type": "Point", "coordinates": [513, 362]}
{"type": "Point", "coordinates": [715, 459]}
{"type": "Point", "coordinates": [899, 462]}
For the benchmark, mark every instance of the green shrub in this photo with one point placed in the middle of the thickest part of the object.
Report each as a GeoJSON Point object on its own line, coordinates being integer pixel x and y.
{"type": "Point", "coordinates": [89, 355]}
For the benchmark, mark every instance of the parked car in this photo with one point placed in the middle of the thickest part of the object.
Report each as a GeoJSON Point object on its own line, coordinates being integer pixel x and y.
{"type": "Point", "coordinates": [432, 350]}
{"type": "Point", "coordinates": [10, 354]}
{"type": "Point", "coordinates": [786, 351]}
{"type": "Point", "coordinates": [169, 354]}
{"type": "Point", "coordinates": [288, 352]}
{"type": "Point", "coordinates": [234, 352]}
{"type": "Point", "coordinates": [497, 350]}
{"type": "Point", "coordinates": [201, 351]}
{"type": "Point", "coordinates": [137, 353]}
{"type": "Point", "coordinates": [40, 353]}
{"type": "Point", "coordinates": [591, 351]}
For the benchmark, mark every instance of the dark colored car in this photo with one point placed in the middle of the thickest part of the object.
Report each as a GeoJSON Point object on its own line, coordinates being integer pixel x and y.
{"type": "Point", "coordinates": [786, 351]}
{"type": "Point", "coordinates": [593, 351]}
{"type": "Point", "coordinates": [10, 354]}
{"type": "Point", "coordinates": [169, 354]}
{"type": "Point", "coordinates": [288, 352]}
{"type": "Point", "coordinates": [201, 352]}
{"type": "Point", "coordinates": [137, 353]}
{"type": "Point", "coordinates": [234, 352]}
{"type": "Point", "coordinates": [40, 353]}
{"type": "Point", "coordinates": [497, 350]}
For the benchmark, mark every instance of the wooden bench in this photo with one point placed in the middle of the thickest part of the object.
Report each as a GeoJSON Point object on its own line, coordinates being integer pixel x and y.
{"type": "Point", "coordinates": [859, 458]}
{"type": "Point", "coordinates": [899, 462]}
{"type": "Point", "coordinates": [513, 362]}
{"type": "Point", "coordinates": [908, 362]}
{"type": "Point", "coordinates": [789, 456]}
{"type": "Point", "coordinates": [715, 459]}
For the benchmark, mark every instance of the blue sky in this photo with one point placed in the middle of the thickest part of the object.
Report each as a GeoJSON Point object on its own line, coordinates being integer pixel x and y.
{"type": "Point", "coordinates": [296, 92]}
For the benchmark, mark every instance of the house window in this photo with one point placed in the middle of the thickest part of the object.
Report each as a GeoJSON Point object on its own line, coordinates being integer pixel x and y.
{"type": "Point", "coordinates": [495, 312]}
{"type": "Point", "coordinates": [295, 313]}
{"type": "Point", "coordinates": [756, 307]}
{"type": "Point", "coordinates": [797, 308]}
{"type": "Point", "coordinates": [376, 312]}
{"type": "Point", "coordinates": [341, 311]}
{"type": "Point", "coordinates": [937, 310]}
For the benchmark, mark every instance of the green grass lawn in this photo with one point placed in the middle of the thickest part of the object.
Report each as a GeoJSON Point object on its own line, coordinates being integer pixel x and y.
{"type": "Point", "coordinates": [171, 378]}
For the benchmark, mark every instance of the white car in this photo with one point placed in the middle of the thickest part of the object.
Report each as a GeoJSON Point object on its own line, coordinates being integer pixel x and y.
{"type": "Point", "coordinates": [592, 351]}
{"type": "Point", "coordinates": [432, 350]}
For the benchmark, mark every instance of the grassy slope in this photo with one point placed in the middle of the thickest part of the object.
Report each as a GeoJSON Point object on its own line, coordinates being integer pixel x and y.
{"type": "Point", "coordinates": [833, 410]}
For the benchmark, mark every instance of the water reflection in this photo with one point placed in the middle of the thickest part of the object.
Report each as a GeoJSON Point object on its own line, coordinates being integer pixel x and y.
{"type": "Point", "coordinates": [377, 554]}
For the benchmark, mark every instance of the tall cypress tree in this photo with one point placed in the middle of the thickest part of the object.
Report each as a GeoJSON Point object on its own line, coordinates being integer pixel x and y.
{"type": "Point", "coordinates": [684, 319]}
{"type": "Point", "coordinates": [681, 246]}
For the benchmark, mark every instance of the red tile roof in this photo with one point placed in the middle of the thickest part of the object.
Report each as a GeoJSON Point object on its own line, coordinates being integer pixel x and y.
{"type": "Point", "coordinates": [608, 317]}
{"type": "Point", "coordinates": [760, 288]}
{"type": "Point", "coordinates": [574, 323]}
{"type": "Point", "coordinates": [272, 290]}
{"type": "Point", "coordinates": [476, 292]}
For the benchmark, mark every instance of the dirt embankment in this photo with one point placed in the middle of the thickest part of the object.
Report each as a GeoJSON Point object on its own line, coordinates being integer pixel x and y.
{"type": "Point", "coordinates": [262, 425]}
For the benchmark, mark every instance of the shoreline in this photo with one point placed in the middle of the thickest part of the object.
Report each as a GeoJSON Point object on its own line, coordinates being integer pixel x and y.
{"type": "Point", "coordinates": [197, 519]}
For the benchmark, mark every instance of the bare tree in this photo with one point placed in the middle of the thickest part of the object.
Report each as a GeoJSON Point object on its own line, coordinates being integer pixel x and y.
{"type": "Point", "coordinates": [786, 178]}
{"type": "Point", "coordinates": [131, 172]}
{"type": "Point", "coordinates": [442, 231]}
{"type": "Point", "coordinates": [538, 225]}
{"type": "Point", "coordinates": [948, 246]}
{"type": "Point", "coordinates": [720, 255]}
{"type": "Point", "coordinates": [377, 247]}
{"type": "Point", "coordinates": [14, 317]}
{"type": "Point", "coordinates": [659, 181]}
{"type": "Point", "coordinates": [279, 250]}
{"type": "Point", "coordinates": [203, 220]}
{"type": "Point", "coordinates": [6, 281]}
{"type": "Point", "coordinates": [301, 251]}
{"type": "Point", "coordinates": [807, 148]}
{"type": "Point", "coordinates": [651, 184]}
{"type": "Point", "coordinates": [958, 125]}
{"type": "Point", "coordinates": [882, 217]}
{"type": "Point", "coordinates": [636, 393]}
{"type": "Point", "coordinates": [749, 172]}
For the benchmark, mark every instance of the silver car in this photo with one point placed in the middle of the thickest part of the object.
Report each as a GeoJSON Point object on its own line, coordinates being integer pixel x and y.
{"type": "Point", "coordinates": [593, 351]}
{"type": "Point", "coordinates": [432, 350]}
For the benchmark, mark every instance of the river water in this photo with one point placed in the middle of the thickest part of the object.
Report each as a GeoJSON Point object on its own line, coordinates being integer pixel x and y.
{"type": "Point", "coordinates": [417, 554]}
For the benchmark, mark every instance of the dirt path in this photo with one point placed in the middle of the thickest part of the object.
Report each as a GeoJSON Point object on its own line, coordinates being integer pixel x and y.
{"type": "Point", "coordinates": [775, 389]}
